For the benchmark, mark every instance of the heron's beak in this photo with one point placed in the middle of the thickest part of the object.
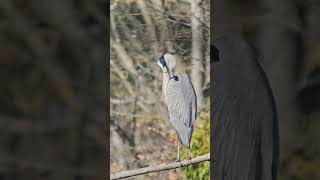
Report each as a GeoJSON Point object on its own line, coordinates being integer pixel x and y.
{"type": "Point", "coordinates": [164, 69]}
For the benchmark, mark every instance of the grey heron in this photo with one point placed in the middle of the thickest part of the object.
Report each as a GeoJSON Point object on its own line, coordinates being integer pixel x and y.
{"type": "Point", "coordinates": [180, 99]}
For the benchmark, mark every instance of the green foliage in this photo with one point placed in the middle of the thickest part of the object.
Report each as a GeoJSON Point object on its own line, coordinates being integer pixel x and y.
{"type": "Point", "coordinates": [200, 144]}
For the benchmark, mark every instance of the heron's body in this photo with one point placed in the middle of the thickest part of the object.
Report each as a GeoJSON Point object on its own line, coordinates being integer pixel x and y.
{"type": "Point", "coordinates": [180, 99]}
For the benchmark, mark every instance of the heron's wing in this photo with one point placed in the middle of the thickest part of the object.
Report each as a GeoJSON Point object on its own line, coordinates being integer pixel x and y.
{"type": "Point", "coordinates": [182, 106]}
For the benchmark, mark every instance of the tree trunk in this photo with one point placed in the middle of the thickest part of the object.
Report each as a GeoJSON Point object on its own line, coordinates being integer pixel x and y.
{"type": "Point", "coordinates": [197, 48]}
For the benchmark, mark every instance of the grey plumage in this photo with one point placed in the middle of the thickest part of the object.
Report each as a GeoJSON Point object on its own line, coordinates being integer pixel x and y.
{"type": "Point", "coordinates": [181, 104]}
{"type": "Point", "coordinates": [180, 99]}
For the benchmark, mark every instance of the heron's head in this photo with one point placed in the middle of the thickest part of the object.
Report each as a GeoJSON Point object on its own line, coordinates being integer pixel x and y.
{"type": "Point", "coordinates": [167, 62]}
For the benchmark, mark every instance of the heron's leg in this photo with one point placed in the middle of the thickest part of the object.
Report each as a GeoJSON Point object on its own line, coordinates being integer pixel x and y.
{"type": "Point", "coordinates": [189, 156]}
{"type": "Point", "coordinates": [178, 156]}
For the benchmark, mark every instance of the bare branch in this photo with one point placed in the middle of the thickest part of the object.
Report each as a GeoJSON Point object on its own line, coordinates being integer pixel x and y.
{"type": "Point", "coordinates": [160, 167]}
{"type": "Point", "coordinates": [123, 78]}
{"type": "Point", "coordinates": [150, 26]}
{"type": "Point", "coordinates": [126, 60]}
{"type": "Point", "coordinates": [116, 113]}
{"type": "Point", "coordinates": [121, 101]}
{"type": "Point", "coordinates": [163, 26]}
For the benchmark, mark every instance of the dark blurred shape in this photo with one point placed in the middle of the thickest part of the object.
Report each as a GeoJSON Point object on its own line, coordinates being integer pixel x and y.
{"type": "Point", "coordinates": [53, 89]}
{"type": "Point", "coordinates": [214, 54]}
{"type": "Point", "coordinates": [309, 92]}
{"type": "Point", "coordinates": [244, 131]}
{"type": "Point", "coordinates": [288, 45]}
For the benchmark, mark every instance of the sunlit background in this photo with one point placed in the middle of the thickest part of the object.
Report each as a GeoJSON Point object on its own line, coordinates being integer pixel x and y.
{"type": "Point", "coordinates": [141, 134]}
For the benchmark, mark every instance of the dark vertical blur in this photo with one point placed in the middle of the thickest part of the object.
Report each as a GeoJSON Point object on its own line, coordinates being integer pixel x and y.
{"type": "Point", "coordinates": [286, 34]}
{"type": "Point", "coordinates": [53, 89]}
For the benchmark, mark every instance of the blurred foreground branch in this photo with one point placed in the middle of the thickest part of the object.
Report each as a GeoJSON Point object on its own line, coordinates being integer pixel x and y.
{"type": "Point", "coordinates": [160, 167]}
{"type": "Point", "coordinates": [43, 166]}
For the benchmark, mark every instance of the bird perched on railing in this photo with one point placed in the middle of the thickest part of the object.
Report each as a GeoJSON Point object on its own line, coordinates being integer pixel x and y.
{"type": "Point", "coordinates": [180, 99]}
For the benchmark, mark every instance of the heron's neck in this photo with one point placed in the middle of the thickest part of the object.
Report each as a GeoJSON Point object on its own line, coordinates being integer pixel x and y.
{"type": "Point", "coordinates": [166, 78]}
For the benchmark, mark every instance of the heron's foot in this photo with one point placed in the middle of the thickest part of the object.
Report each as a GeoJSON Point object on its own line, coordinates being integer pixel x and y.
{"type": "Point", "coordinates": [189, 158]}
{"type": "Point", "coordinates": [178, 160]}
{"type": "Point", "coordinates": [189, 154]}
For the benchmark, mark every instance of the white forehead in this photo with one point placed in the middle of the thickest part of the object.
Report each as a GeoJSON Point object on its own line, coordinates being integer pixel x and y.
{"type": "Point", "coordinates": [170, 59]}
